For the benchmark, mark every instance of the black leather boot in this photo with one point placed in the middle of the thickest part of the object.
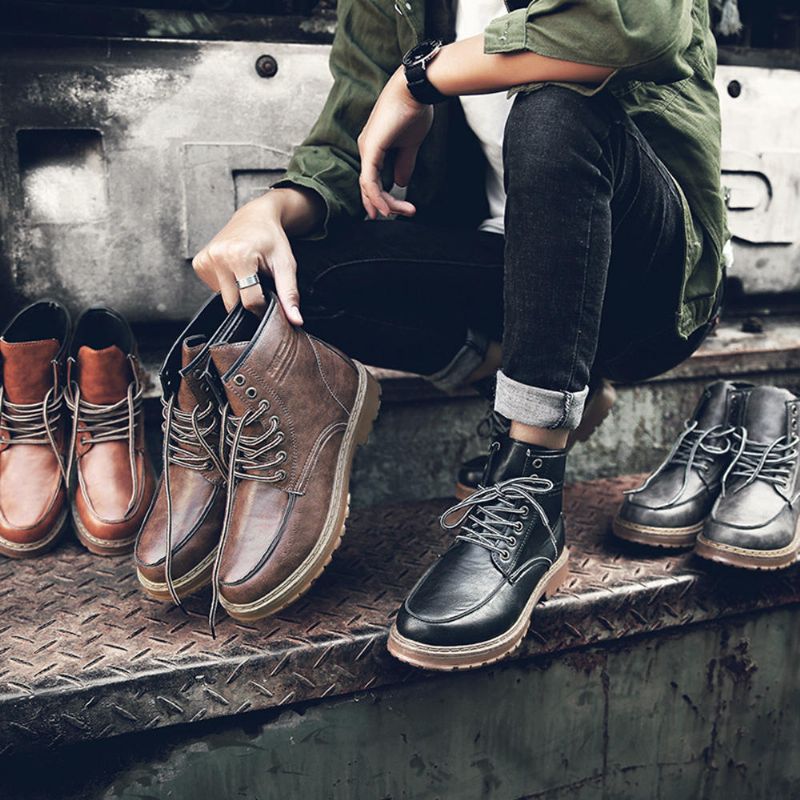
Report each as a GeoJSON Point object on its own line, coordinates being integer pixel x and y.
{"type": "Point", "coordinates": [599, 402]}
{"type": "Point", "coordinates": [671, 506]}
{"type": "Point", "coordinates": [754, 522]}
{"type": "Point", "coordinates": [473, 606]}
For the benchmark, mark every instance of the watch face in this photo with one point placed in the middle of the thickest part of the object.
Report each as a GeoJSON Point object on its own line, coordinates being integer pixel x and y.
{"type": "Point", "coordinates": [421, 52]}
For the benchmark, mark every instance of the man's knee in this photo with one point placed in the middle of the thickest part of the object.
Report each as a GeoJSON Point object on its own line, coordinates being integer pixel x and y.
{"type": "Point", "coordinates": [548, 127]}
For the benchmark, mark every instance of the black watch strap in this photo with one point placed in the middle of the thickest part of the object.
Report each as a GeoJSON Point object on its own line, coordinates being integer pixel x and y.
{"type": "Point", "coordinates": [421, 88]}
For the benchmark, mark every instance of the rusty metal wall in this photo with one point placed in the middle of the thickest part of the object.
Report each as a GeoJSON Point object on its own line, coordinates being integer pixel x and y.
{"type": "Point", "coordinates": [705, 713]}
{"type": "Point", "coordinates": [121, 157]}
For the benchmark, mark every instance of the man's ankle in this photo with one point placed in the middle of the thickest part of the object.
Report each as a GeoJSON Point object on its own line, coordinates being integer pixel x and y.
{"type": "Point", "coordinates": [551, 438]}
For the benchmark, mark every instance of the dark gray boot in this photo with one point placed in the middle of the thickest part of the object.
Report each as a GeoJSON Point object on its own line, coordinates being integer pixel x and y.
{"type": "Point", "coordinates": [670, 508]}
{"type": "Point", "coordinates": [753, 523]}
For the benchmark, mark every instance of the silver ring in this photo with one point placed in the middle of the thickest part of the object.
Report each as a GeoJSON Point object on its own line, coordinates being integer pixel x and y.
{"type": "Point", "coordinates": [250, 280]}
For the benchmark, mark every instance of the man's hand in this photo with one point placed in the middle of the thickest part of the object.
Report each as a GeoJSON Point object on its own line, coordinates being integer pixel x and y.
{"type": "Point", "coordinates": [255, 240]}
{"type": "Point", "coordinates": [397, 122]}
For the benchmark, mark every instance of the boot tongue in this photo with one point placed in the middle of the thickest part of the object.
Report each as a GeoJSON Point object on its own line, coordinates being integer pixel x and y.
{"type": "Point", "coordinates": [765, 413]}
{"type": "Point", "coordinates": [103, 375]}
{"type": "Point", "coordinates": [712, 408]}
{"type": "Point", "coordinates": [27, 369]}
{"type": "Point", "coordinates": [190, 349]}
{"type": "Point", "coordinates": [515, 459]}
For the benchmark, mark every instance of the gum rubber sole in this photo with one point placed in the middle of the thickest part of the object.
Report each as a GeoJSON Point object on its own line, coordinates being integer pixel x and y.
{"type": "Point", "coordinates": [472, 656]}
{"type": "Point", "coordinates": [33, 549]}
{"type": "Point", "coordinates": [193, 581]}
{"type": "Point", "coordinates": [746, 558]}
{"type": "Point", "coordinates": [668, 538]}
{"type": "Point", "coordinates": [365, 411]}
{"type": "Point", "coordinates": [101, 547]}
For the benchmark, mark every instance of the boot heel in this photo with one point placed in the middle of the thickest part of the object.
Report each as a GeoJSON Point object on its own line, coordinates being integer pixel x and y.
{"type": "Point", "coordinates": [559, 577]}
{"type": "Point", "coordinates": [369, 408]}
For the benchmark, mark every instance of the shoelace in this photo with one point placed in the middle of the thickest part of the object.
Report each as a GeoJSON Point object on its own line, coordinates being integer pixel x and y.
{"type": "Point", "coordinates": [248, 457]}
{"type": "Point", "coordinates": [695, 448]}
{"type": "Point", "coordinates": [493, 425]}
{"type": "Point", "coordinates": [108, 422]}
{"type": "Point", "coordinates": [484, 519]}
{"type": "Point", "coordinates": [185, 444]}
{"type": "Point", "coordinates": [771, 462]}
{"type": "Point", "coordinates": [33, 423]}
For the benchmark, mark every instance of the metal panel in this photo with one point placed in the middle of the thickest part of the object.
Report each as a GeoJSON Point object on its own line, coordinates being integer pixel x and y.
{"type": "Point", "coordinates": [123, 157]}
{"type": "Point", "coordinates": [698, 713]}
{"type": "Point", "coordinates": [761, 172]}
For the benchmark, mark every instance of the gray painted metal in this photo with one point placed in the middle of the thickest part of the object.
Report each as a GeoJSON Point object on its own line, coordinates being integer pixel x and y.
{"type": "Point", "coordinates": [761, 173]}
{"type": "Point", "coordinates": [703, 713]}
{"type": "Point", "coordinates": [122, 158]}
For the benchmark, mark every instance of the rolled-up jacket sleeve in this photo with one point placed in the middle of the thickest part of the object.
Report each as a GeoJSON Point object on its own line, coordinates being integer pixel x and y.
{"type": "Point", "coordinates": [638, 39]}
{"type": "Point", "coordinates": [362, 58]}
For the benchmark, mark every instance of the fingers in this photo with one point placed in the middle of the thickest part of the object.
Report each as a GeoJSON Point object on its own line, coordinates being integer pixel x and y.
{"type": "Point", "coordinates": [204, 269]}
{"type": "Point", "coordinates": [369, 181]}
{"type": "Point", "coordinates": [284, 273]}
{"type": "Point", "coordinates": [229, 290]}
{"type": "Point", "coordinates": [220, 265]}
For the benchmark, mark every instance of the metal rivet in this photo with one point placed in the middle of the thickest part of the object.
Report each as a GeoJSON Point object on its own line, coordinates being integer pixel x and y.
{"type": "Point", "coordinates": [238, 380]}
{"type": "Point", "coordinates": [251, 392]}
{"type": "Point", "coordinates": [266, 66]}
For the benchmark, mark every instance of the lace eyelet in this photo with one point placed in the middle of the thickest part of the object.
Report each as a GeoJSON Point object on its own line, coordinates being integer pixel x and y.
{"type": "Point", "coordinates": [282, 455]}
{"type": "Point", "coordinates": [512, 541]}
{"type": "Point", "coordinates": [504, 555]}
{"type": "Point", "coordinates": [238, 379]}
{"type": "Point", "coordinates": [281, 475]}
{"type": "Point", "coordinates": [251, 392]}
{"type": "Point", "coordinates": [518, 526]}
{"type": "Point", "coordinates": [536, 463]}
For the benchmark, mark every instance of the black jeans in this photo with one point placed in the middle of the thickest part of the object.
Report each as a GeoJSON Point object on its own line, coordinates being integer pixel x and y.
{"type": "Point", "coordinates": [585, 281]}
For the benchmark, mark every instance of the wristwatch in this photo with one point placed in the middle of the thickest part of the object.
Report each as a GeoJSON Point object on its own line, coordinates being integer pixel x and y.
{"type": "Point", "coordinates": [416, 62]}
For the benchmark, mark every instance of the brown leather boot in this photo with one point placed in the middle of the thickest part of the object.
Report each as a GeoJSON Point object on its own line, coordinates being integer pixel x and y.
{"type": "Point", "coordinates": [33, 423]}
{"type": "Point", "coordinates": [178, 541]}
{"type": "Point", "coordinates": [112, 475]}
{"type": "Point", "coordinates": [297, 409]}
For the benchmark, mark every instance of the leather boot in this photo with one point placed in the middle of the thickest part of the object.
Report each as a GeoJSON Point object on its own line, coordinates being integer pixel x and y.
{"type": "Point", "coordinates": [176, 546]}
{"type": "Point", "coordinates": [599, 403]}
{"type": "Point", "coordinates": [670, 508]}
{"type": "Point", "coordinates": [473, 606]}
{"type": "Point", "coordinates": [754, 522]}
{"type": "Point", "coordinates": [33, 423]}
{"type": "Point", "coordinates": [297, 409]}
{"type": "Point", "coordinates": [111, 472]}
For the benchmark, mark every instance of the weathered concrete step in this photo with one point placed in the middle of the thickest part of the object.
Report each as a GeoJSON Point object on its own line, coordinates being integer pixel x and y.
{"type": "Point", "coordinates": [86, 656]}
{"type": "Point", "coordinates": [422, 435]}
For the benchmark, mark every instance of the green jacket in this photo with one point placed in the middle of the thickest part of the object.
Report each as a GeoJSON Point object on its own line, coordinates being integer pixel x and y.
{"type": "Point", "coordinates": [663, 54]}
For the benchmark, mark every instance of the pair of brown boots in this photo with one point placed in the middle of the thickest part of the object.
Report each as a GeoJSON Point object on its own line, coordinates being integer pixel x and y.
{"type": "Point", "coordinates": [71, 432]}
{"type": "Point", "coordinates": [261, 422]}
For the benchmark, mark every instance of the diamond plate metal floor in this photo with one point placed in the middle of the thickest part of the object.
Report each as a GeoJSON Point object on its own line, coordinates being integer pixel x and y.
{"type": "Point", "coordinates": [84, 654]}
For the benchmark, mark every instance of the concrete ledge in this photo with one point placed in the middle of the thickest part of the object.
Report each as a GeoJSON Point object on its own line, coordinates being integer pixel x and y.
{"type": "Point", "coordinates": [86, 656]}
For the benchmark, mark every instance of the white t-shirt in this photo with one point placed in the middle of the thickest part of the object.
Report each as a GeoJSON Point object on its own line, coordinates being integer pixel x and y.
{"type": "Point", "coordinates": [486, 113]}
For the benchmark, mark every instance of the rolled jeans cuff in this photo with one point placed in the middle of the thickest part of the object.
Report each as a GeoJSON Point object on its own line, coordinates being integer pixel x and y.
{"type": "Point", "coordinates": [463, 364]}
{"type": "Point", "coordinates": [543, 408]}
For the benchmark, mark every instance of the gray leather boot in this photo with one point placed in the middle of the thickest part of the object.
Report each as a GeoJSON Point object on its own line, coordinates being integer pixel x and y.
{"type": "Point", "coordinates": [670, 508]}
{"type": "Point", "coordinates": [753, 523]}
